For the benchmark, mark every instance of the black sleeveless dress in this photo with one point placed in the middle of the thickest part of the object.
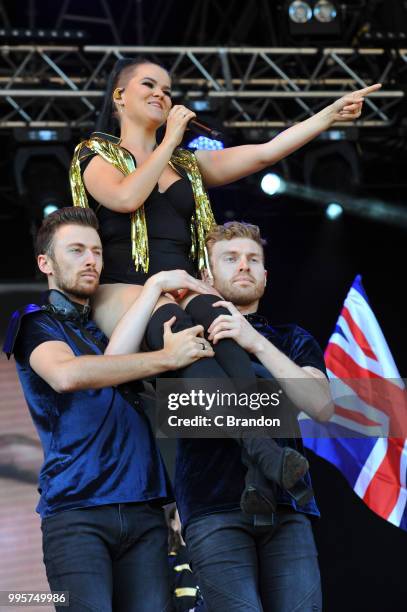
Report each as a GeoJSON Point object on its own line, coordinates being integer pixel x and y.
{"type": "Point", "coordinates": [168, 219]}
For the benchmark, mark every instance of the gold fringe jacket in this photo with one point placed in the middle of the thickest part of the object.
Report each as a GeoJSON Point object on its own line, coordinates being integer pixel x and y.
{"type": "Point", "coordinates": [108, 147]}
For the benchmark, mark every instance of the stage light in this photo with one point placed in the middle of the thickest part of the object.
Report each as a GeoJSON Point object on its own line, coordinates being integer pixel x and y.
{"type": "Point", "coordinates": [42, 135]}
{"type": "Point", "coordinates": [29, 34]}
{"type": "Point", "coordinates": [300, 12]}
{"type": "Point", "coordinates": [49, 209]}
{"type": "Point", "coordinates": [205, 144]}
{"type": "Point", "coordinates": [41, 175]}
{"type": "Point", "coordinates": [333, 167]}
{"type": "Point", "coordinates": [200, 106]}
{"type": "Point", "coordinates": [333, 211]}
{"type": "Point", "coordinates": [325, 11]}
{"type": "Point", "coordinates": [272, 183]}
{"type": "Point", "coordinates": [314, 18]}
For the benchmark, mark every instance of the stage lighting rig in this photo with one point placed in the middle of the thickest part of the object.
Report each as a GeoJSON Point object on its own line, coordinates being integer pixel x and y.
{"type": "Point", "coordinates": [24, 35]}
{"type": "Point", "coordinates": [204, 143]}
{"type": "Point", "coordinates": [41, 135]}
{"type": "Point", "coordinates": [41, 175]}
{"type": "Point", "coordinates": [316, 18]}
{"type": "Point", "coordinates": [325, 11]}
{"type": "Point", "coordinates": [333, 167]}
{"type": "Point", "coordinates": [299, 11]}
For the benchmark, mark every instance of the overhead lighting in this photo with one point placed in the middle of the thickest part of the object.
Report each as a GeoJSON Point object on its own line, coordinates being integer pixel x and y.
{"type": "Point", "coordinates": [324, 11]}
{"type": "Point", "coordinates": [333, 211]}
{"type": "Point", "coordinates": [200, 106]}
{"type": "Point", "coordinates": [300, 12]}
{"type": "Point", "coordinates": [272, 183]}
{"type": "Point", "coordinates": [334, 167]}
{"type": "Point", "coordinates": [42, 135]}
{"type": "Point", "coordinates": [316, 18]}
{"type": "Point", "coordinates": [49, 209]}
{"type": "Point", "coordinates": [41, 177]}
{"type": "Point", "coordinates": [205, 144]}
{"type": "Point", "coordinates": [25, 34]}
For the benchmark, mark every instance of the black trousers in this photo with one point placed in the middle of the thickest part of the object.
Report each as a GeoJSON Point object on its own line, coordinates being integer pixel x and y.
{"type": "Point", "coordinates": [110, 558]}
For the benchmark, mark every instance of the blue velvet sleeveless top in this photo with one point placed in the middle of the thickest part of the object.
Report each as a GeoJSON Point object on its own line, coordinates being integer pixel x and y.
{"type": "Point", "coordinates": [209, 473]}
{"type": "Point", "coordinates": [98, 449]}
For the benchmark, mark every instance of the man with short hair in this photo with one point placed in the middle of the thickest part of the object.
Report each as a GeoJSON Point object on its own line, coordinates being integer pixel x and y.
{"type": "Point", "coordinates": [246, 563]}
{"type": "Point", "coordinates": [103, 482]}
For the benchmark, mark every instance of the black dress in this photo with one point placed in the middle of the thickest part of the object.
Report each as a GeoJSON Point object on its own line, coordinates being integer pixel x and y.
{"type": "Point", "coordinates": [168, 219]}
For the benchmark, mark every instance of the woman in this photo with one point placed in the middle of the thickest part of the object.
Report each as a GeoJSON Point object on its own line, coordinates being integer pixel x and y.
{"type": "Point", "coordinates": [139, 98]}
{"type": "Point", "coordinates": [162, 189]}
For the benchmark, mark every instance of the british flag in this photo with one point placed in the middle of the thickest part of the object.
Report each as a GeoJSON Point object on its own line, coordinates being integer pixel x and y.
{"type": "Point", "coordinates": [360, 366]}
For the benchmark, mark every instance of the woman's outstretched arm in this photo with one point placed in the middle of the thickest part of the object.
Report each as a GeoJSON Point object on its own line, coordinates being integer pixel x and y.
{"type": "Point", "coordinates": [231, 164]}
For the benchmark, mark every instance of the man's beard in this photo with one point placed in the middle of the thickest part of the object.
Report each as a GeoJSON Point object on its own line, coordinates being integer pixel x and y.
{"type": "Point", "coordinates": [241, 296]}
{"type": "Point", "coordinates": [71, 286]}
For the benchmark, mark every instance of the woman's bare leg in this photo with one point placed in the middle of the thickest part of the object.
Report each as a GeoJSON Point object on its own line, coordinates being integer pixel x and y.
{"type": "Point", "coordinates": [191, 295]}
{"type": "Point", "coordinates": [113, 300]}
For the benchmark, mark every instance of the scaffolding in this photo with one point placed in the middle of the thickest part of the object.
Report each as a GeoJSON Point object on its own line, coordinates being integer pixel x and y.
{"type": "Point", "coordinates": [247, 87]}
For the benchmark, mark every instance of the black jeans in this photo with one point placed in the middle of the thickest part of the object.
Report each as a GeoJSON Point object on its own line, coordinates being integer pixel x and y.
{"type": "Point", "coordinates": [109, 558]}
{"type": "Point", "coordinates": [243, 568]}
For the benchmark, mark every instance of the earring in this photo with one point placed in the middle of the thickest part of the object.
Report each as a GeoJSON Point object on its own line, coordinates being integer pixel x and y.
{"type": "Point", "coordinates": [117, 94]}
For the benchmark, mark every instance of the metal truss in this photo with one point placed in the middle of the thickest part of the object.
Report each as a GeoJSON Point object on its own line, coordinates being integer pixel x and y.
{"type": "Point", "coordinates": [68, 14]}
{"type": "Point", "coordinates": [264, 87]}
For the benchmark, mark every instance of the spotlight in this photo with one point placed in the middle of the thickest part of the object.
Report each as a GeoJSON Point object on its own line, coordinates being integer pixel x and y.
{"type": "Point", "coordinates": [300, 12]}
{"type": "Point", "coordinates": [200, 106]}
{"type": "Point", "coordinates": [333, 211]}
{"type": "Point", "coordinates": [272, 183]}
{"type": "Point", "coordinates": [41, 177]}
{"type": "Point", "coordinates": [48, 209]}
{"type": "Point", "coordinates": [41, 135]}
{"type": "Point", "coordinates": [333, 167]}
{"type": "Point", "coordinates": [205, 144]}
{"type": "Point", "coordinates": [32, 34]}
{"type": "Point", "coordinates": [314, 18]}
{"type": "Point", "coordinates": [324, 11]}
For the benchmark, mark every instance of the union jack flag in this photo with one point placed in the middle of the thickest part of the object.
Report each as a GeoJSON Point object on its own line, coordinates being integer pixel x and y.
{"type": "Point", "coordinates": [361, 367]}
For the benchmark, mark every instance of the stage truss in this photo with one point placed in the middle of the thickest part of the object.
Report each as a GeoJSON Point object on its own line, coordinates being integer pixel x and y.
{"type": "Point", "coordinates": [61, 86]}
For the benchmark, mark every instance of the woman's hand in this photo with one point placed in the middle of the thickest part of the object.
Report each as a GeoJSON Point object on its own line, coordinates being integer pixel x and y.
{"type": "Point", "coordinates": [177, 122]}
{"type": "Point", "coordinates": [174, 281]}
{"type": "Point", "coordinates": [349, 107]}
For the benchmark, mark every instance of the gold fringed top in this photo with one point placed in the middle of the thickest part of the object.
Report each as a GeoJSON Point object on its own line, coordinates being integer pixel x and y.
{"type": "Point", "coordinates": [108, 147]}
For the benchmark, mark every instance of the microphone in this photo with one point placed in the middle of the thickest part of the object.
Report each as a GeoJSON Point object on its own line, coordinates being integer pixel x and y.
{"type": "Point", "coordinates": [204, 130]}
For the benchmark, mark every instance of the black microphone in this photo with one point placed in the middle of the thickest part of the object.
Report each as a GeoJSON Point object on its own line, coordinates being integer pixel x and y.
{"type": "Point", "coordinates": [204, 130]}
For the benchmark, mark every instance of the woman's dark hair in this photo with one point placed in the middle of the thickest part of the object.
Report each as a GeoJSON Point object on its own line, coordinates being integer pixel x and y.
{"type": "Point", "coordinates": [107, 120]}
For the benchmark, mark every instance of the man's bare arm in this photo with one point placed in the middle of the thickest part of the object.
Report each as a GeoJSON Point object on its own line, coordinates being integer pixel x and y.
{"type": "Point", "coordinates": [307, 387]}
{"type": "Point", "coordinates": [129, 332]}
{"type": "Point", "coordinates": [55, 362]}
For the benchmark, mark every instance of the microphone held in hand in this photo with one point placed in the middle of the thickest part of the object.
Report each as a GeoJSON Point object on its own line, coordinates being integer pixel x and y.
{"type": "Point", "coordinates": [204, 130]}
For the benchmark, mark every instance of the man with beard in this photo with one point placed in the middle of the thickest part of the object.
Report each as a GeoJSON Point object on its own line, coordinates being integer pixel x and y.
{"type": "Point", "coordinates": [103, 482]}
{"type": "Point", "coordinates": [241, 563]}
